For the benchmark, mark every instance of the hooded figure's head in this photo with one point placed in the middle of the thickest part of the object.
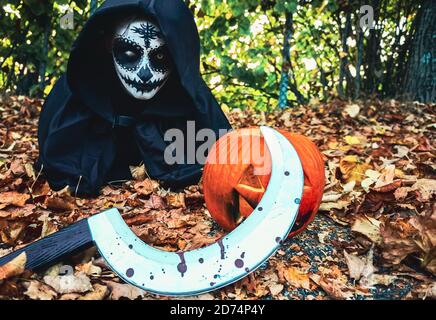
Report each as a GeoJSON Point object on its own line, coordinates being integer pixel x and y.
{"type": "Point", "coordinates": [142, 60]}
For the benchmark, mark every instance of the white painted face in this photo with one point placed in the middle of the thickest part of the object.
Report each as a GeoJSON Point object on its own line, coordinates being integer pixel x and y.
{"type": "Point", "coordinates": [141, 57]}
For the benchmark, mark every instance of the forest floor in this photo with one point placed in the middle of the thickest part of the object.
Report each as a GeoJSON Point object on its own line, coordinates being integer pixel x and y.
{"type": "Point", "coordinates": [374, 237]}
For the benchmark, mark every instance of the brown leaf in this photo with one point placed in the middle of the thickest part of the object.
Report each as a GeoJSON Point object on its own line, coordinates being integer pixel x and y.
{"type": "Point", "coordinates": [99, 292]}
{"type": "Point", "coordinates": [139, 172]}
{"type": "Point", "coordinates": [37, 290]}
{"type": "Point", "coordinates": [335, 289]}
{"type": "Point", "coordinates": [297, 278]}
{"type": "Point", "coordinates": [155, 202]}
{"type": "Point", "coordinates": [89, 268]}
{"type": "Point", "coordinates": [139, 219]}
{"type": "Point", "coordinates": [386, 178]}
{"type": "Point", "coordinates": [60, 203]}
{"type": "Point", "coordinates": [356, 265]}
{"type": "Point", "coordinates": [146, 187]}
{"type": "Point", "coordinates": [176, 200]}
{"type": "Point", "coordinates": [127, 291]}
{"type": "Point", "coordinates": [17, 167]}
{"type": "Point", "coordinates": [14, 198]}
{"type": "Point", "coordinates": [426, 189]}
{"type": "Point", "coordinates": [368, 227]}
{"type": "Point", "coordinates": [426, 225]}
{"type": "Point", "coordinates": [398, 241]}
{"type": "Point", "coordinates": [11, 231]}
{"type": "Point", "coordinates": [363, 268]}
{"type": "Point", "coordinates": [70, 296]}
{"type": "Point", "coordinates": [48, 227]}
{"type": "Point", "coordinates": [14, 267]}
{"type": "Point", "coordinates": [388, 187]}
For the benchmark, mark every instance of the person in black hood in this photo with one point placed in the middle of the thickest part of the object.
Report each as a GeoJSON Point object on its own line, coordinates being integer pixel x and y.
{"type": "Point", "coordinates": [133, 74]}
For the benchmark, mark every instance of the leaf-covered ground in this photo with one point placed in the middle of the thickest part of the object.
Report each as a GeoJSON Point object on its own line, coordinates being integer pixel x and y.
{"type": "Point", "coordinates": [375, 237]}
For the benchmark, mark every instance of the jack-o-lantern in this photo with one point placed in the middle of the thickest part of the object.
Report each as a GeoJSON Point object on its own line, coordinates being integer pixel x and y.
{"type": "Point", "coordinates": [238, 169]}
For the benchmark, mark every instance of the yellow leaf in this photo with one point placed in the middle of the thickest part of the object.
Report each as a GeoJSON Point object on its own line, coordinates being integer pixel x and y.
{"type": "Point", "coordinates": [297, 278]}
{"type": "Point", "coordinates": [352, 170]}
{"type": "Point", "coordinates": [352, 140]}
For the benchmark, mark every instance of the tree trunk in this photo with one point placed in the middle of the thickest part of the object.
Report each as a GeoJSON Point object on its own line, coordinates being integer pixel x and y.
{"type": "Point", "coordinates": [344, 59]}
{"type": "Point", "coordinates": [43, 63]}
{"type": "Point", "coordinates": [357, 83]}
{"type": "Point", "coordinates": [373, 66]}
{"type": "Point", "coordinates": [286, 60]}
{"type": "Point", "coordinates": [420, 83]}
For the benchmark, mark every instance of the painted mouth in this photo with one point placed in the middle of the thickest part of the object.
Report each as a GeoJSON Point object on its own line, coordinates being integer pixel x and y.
{"type": "Point", "coordinates": [144, 87]}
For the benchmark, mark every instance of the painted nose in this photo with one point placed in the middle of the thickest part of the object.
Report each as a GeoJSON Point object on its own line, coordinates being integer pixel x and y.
{"type": "Point", "coordinates": [145, 74]}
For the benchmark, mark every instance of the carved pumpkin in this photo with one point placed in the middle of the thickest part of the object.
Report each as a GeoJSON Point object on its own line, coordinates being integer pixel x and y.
{"type": "Point", "coordinates": [237, 172]}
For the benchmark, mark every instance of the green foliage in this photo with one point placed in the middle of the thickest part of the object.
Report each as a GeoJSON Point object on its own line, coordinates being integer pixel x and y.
{"type": "Point", "coordinates": [242, 43]}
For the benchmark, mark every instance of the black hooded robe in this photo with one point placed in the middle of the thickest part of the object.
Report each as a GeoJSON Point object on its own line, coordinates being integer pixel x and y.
{"type": "Point", "coordinates": [90, 130]}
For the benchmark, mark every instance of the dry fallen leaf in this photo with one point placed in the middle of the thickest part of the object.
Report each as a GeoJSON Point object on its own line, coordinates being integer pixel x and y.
{"type": "Point", "coordinates": [377, 279]}
{"type": "Point", "coordinates": [352, 110]}
{"type": "Point", "coordinates": [398, 241]}
{"type": "Point", "coordinates": [387, 176]}
{"type": "Point", "coordinates": [176, 200]}
{"type": "Point", "coordinates": [335, 289]}
{"type": "Point", "coordinates": [275, 288]}
{"type": "Point", "coordinates": [14, 198]}
{"type": "Point", "coordinates": [14, 267]}
{"type": "Point", "coordinates": [120, 290]}
{"type": "Point", "coordinates": [425, 190]}
{"type": "Point", "coordinates": [356, 265]}
{"type": "Point", "coordinates": [37, 290]}
{"type": "Point", "coordinates": [146, 187]}
{"type": "Point", "coordinates": [363, 268]}
{"type": "Point", "coordinates": [297, 278]}
{"type": "Point", "coordinates": [368, 227]}
{"type": "Point", "coordinates": [352, 169]}
{"type": "Point", "coordinates": [99, 292]}
{"type": "Point", "coordinates": [57, 203]}
{"type": "Point", "coordinates": [89, 269]}
{"type": "Point", "coordinates": [138, 173]}
{"type": "Point", "coordinates": [69, 283]}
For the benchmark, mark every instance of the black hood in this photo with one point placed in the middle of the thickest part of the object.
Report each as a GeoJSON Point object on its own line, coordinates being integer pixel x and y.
{"type": "Point", "coordinates": [91, 72]}
{"type": "Point", "coordinates": [91, 130]}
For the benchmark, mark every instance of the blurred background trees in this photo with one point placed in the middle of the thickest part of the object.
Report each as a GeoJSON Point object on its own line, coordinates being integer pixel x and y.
{"type": "Point", "coordinates": [255, 53]}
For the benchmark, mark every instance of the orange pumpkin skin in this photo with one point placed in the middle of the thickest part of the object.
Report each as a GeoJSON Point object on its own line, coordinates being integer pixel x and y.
{"type": "Point", "coordinates": [232, 189]}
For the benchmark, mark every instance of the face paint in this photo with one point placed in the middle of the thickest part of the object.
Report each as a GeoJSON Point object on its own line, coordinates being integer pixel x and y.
{"type": "Point", "coordinates": [141, 57]}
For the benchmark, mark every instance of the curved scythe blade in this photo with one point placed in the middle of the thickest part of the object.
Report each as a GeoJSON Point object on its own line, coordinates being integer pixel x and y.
{"type": "Point", "coordinates": [217, 265]}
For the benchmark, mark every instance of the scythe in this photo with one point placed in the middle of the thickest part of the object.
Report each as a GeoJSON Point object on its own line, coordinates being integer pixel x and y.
{"type": "Point", "coordinates": [193, 272]}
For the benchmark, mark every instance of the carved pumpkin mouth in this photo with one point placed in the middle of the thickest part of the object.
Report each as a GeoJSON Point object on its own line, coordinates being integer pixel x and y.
{"type": "Point", "coordinates": [232, 191]}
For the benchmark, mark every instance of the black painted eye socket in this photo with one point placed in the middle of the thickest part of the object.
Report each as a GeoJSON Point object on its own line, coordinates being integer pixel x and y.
{"type": "Point", "coordinates": [127, 53]}
{"type": "Point", "coordinates": [160, 59]}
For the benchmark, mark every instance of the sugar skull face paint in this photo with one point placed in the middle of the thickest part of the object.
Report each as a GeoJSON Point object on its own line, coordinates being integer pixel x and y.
{"type": "Point", "coordinates": [141, 57]}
